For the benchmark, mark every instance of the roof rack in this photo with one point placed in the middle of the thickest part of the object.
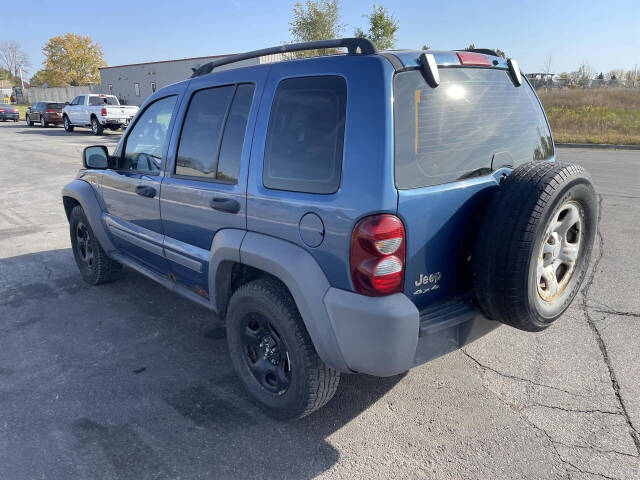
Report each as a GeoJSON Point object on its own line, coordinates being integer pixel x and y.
{"type": "Point", "coordinates": [366, 47]}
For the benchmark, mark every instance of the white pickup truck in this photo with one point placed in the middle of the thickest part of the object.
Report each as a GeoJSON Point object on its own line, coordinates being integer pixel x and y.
{"type": "Point", "coordinates": [98, 112]}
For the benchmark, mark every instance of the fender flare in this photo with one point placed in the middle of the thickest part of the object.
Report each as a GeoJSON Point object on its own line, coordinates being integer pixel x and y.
{"type": "Point", "coordinates": [85, 195]}
{"type": "Point", "coordinates": [306, 281]}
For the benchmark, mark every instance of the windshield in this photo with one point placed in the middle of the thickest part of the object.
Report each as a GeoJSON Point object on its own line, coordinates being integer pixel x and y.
{"type": "Point", "coordinates": [107, 100]}
{"type": "Point", "coordinates": [55, 106]}
{"type": "Point", "coordinates": [476, 117]}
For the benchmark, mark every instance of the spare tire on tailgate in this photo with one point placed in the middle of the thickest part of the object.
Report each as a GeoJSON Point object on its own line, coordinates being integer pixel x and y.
{"type": "Point", "coordinates": [534, 245]}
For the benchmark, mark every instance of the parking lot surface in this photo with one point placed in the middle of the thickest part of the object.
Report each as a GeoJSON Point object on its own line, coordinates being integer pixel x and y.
{"type": "Point", "coordinates": [130, 381]}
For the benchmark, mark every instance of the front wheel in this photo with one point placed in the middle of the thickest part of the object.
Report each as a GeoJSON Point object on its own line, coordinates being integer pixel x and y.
{"type": "Point", "coordinates": [94, 264]}
{"type": "Point", "coordinates": [273, 354]}
{"type": "Point", "coordinates": [96, 127]}
{"type": "Point", "coordinates": [28, 120]}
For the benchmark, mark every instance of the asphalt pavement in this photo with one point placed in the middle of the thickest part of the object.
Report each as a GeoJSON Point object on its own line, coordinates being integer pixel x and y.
{"type": "Point", "coordinates": [130, 381]}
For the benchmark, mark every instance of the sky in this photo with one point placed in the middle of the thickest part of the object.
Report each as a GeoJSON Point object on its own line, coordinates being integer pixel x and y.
{"type": "Point", "coordinates": [606, 34]}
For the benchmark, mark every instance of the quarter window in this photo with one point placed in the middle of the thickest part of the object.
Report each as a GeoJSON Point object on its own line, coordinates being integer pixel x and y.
{"type": "Point", "coordinates": [146, 142]}
{"type": "Point", "coordinates": [305, 137]}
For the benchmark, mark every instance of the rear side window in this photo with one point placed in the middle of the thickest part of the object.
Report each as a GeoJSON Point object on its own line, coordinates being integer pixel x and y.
{"type": "Point", "coordinates": [234, 131]}
{"type": "Point", "coordinates": [476, 120]}
{"type": "Point", "coordinates": [203, 151]}
{"type": "Point", "coordinates": [305, 137]}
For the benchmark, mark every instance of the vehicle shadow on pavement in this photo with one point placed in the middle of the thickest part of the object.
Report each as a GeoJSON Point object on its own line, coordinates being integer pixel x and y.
{"type": "Point", "coordinates": [131, 381]}
{"type": "Point", "coordinates": [61, 132]}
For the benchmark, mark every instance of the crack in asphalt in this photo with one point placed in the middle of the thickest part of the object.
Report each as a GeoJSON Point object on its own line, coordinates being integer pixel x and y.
{"type": "Point", "coordinates": [48, 270]}
{"type": "Point", "coordinates": [572, 410]}
{"type": "Point", "coordinates": [521, 379]}
{"type": "Point", "coordinates": [578, 469]}
{"type": "Point", "coordinates": [619, 313]}
{"type": "Point", "coordinates": [553, 443]}
{"type": "Point", "coordinates": [595, 449]}
{"type": "Point", "coordinates": [592, 324]}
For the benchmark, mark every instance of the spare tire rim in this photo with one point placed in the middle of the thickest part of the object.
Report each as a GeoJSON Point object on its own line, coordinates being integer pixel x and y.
{"type": "Point", "coordinates": [560, 251]}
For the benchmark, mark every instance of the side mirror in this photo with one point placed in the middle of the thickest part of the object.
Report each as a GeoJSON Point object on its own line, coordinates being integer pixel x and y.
{"type": "Point", "coordinates": [66, 103]}
{"type": "Point", "coordinates": [96, 157]}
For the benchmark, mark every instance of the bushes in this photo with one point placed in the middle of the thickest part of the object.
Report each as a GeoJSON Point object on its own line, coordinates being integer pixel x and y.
{"type": "Point", "coordinates": [604, 115]}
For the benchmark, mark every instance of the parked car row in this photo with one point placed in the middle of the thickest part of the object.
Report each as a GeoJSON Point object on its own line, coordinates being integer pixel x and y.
{"type": "Point", "coordinates": [96, 111]}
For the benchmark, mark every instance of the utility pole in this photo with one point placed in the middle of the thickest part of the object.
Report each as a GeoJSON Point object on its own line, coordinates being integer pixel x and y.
{"type": "Point", "coordinates": [21, 79]}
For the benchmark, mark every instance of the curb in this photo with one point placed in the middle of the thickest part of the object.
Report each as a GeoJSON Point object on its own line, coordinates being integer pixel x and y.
{"type": "Point", "coordinates": [605, 146]}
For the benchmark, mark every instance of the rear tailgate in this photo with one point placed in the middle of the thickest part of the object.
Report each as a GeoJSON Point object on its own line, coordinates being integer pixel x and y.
{"type": "Point", "coordinates": [452, 144]}
{"type": "Point", "coordinates": [124, 112]}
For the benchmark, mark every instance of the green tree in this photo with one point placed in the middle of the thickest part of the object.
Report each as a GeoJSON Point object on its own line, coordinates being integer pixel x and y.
{"type": "Point", "coordinates": [471, 46]}
{"type": "Point", "coordinates": [316, 20]}
{"type": "Point", "coordinates": [72, 59]}
{"type": "Point", "coordinates": [500, 53]}
{"type": "Point", "coordinates": [38, 79]}
{"type": "Point", "coordinates": [382, 28]}
{"type": "Point", "coordinates": [425, 47]}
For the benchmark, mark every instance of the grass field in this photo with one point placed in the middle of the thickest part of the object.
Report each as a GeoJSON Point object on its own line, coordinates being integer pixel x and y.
{"type": "Point", "coordinates": [604, 115]}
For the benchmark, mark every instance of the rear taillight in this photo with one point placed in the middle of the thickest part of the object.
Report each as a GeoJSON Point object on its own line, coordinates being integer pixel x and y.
{"type": "Point", "coordinates": [2, 110]}
{"type": "Point", "coordinates": [50, 110]}
{"type": "Point", "coordinates": [377, 255]}
{"type": "Point", "coordinates": [103, 112]}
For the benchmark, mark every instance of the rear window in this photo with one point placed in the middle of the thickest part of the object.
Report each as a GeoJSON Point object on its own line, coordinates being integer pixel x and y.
{"type": "Point", "coordinates": [97, 101]}
{"type": "Point", "coordinates": [473, 119]}
{"type": "Point", "coordinates": [305, 136]}
{"type": "Point", "coordinates": [55, 106]}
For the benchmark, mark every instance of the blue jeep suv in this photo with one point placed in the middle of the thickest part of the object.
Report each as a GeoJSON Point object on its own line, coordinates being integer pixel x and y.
{"type": "Point", "coordinates": [357, 212]}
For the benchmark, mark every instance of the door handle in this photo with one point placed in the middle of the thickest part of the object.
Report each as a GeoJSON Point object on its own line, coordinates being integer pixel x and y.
{"type": "Point", "coordinates": [146, 191]}
{"type": "Point", "coordinates": [228, 205]}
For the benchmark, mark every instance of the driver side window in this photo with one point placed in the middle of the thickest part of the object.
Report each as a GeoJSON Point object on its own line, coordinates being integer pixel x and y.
{"type": "Point", "coordinates": [147, 140]}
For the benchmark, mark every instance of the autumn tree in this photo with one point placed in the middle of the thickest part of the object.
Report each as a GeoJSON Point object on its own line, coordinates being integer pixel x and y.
{"type": "Point", "coordinates": [382, 28]}
{"type": "Point", "coordinates": [72, 59]}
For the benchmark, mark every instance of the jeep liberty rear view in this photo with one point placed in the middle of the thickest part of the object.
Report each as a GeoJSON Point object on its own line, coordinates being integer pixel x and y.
{"type": "Point", "coordinates": [360, 212]}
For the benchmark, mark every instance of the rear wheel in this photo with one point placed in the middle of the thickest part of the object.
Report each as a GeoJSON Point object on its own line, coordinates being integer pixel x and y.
{"type": "Point", "coordinates": [96, 127]}
{"type": "Point", "coordinates": [534, 246]}
{"type": "Point", "coordinates": [273, 354]}
{"type": "Point", "coordinates": [67, 124]}
{"type": "Point", "coordinates": [43, 124]}
{"type": "Point", "coordinates": [94, 264]}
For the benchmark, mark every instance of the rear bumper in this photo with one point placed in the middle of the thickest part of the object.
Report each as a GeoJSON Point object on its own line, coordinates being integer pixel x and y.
{"type": "Point", "coordinates": [54, 119]}
{"type": "Point", "coordinates": [115, 121]}
{"type": "Point", "coordinates": [385, 336]}
{"type": "Point", "coordinates": [9, 116]}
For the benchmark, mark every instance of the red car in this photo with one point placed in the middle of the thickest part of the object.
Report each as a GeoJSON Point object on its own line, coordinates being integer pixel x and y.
{"type": "Point", "coordinates": [45, 113]}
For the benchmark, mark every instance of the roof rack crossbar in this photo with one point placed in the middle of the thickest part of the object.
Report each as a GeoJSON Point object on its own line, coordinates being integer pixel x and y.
{"type": "Point", "coordinates": [366, 47]}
